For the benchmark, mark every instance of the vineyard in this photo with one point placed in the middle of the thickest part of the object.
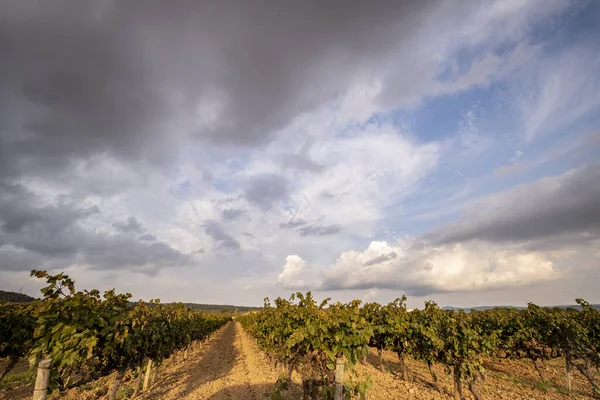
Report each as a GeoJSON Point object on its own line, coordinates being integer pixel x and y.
{"type": "Point", "coordinates": [294, 348]}
{"type": "Point", "coordinates": [314, 339]}
{"type": "Point", "coordinates": [81, 336]}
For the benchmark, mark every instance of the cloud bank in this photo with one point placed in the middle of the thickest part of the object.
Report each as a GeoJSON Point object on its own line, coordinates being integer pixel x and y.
{"type": "Point", "coordinates": [185, 150]}
{"type": "Point", "coordinates": [500, 241]}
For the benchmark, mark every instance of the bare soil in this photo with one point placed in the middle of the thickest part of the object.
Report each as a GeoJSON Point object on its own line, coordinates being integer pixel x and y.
{"type": "Point", "coordinates": [505, 379]}
{"type": "Point", "coordinates": [229, 365]}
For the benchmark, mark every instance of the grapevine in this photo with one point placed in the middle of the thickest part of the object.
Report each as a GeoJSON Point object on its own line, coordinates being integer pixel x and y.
{"type": "Point", "coordinates": [88, 336]}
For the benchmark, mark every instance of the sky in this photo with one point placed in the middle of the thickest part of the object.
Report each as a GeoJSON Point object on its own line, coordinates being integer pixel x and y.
{"type": "Point", "coordinates": [226, 151]}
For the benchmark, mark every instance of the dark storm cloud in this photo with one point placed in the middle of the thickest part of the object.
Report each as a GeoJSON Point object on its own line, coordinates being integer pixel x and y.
{"type": "Point", "coordinates": [73, 85]}
{"type": "Point", "coordinates": [266, 190]}
{"type": "Point", "coordinates": [53, 236]}
{"type": "Point", "coordinates": [319, 230]}
{"type": "Point", "coordinates": [80, 79]}
{"type": "Point", "coordinates": [567, 205]}
{"type": "Point", "coordinates": [224, 241]}
{"type": "Point", "coordinates": [130, 226]}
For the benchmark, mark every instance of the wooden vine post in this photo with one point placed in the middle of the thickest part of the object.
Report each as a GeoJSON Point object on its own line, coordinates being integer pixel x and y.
{"type": "Point", "coordinates": [568, 368]}
{"type": "Point", "coordinates": [154, 373]}
{"type": "Point", "coordinates": [458, 393]}
{"type": "Point", "coordinates": [41, 382]}
{"type": "Point", "coordinates": [138, 382]}
{"type": "Point", "coordinates": [147, 377]}
{"type": "Point", "coordinates": [339, 379]}
{"type": "Point", "coordinates": [112, 392]}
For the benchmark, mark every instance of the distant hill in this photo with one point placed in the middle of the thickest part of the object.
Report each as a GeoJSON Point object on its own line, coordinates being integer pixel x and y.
{"type": "Point", "coordinates": [482, 308]}
{"type": "Point", "coordinates": [479, 308]}
{"type": "Point", "coordinates": [14, 297]}
{"type": "Point", "coordinates": [213, 307]}
{"type": "Point", "coordinates": [220, 307]}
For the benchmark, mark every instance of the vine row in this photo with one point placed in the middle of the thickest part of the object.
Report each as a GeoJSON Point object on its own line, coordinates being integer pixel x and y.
{"type": "Point", "coordinates": [308, 337]}
{"type": "Point", "coordinates": [88, 336]}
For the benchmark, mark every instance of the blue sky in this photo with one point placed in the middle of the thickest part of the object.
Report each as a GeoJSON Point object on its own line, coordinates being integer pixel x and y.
{"type": "Point", "coordinates": [444, 150]}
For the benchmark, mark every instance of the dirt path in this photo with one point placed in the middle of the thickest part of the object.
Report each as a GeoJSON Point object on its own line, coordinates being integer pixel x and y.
{"type": "Point", "coordinates": [229, 366]}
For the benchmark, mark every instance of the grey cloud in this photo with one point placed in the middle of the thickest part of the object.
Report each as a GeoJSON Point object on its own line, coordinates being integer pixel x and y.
{"type": "Point", "coordinates": [118, 251]}
{"type": "Point", "coordinates": [225, 241]}
{"type": "Point", "coordinates": [319, 230]}
{"type": "Point", "coordinates": [136, 82]}
{"type": "Point", "coordinates": [231, 214]}
{"type": "Point", "coordinates": [41, 228]}
{"type": "Point", "coordinates": [74, 86]}
{"type": "Point", "coordinates": [410, 288]}
{"type": "Point", "coordinates": [294, 223]}
{"type": "Point", "coordinates": [14, 260]}
{"type": "Point", "coordinates": [147, 237]}
{"type": "Point", "coordinates": [564, 205]}
{"type": "Point", "coordinates": [115, 78]}
{"type": "Point", "coordinates": [266, 190]}
{"type": "Point", "coordinates": [129, 81]}
{"type": "Point", "coordinates": [17, 213]}
{"type": "Point", "coordinates": [130, 226]}
{"type": "Point", "coordinates": [56, 236]}
{"type": "Point", "coordinates": [326, 194]}
{"type": "Point", "coordinates": [301, 162]}
{"type": "Point", "coordinates": [380, 259]}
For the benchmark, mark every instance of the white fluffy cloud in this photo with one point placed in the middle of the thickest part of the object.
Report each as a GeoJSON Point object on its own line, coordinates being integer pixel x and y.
{"type": "Point", "coordinates": [419, 270]}
{"type": "Point", "coordinates": [292, 274]}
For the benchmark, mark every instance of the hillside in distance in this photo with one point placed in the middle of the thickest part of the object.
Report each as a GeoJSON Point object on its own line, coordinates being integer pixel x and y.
{"type": "Point", "coordinates": [482, 308]}
{"type": "Point", "coordinates": [220, 307]}
{"type": "Point", "coordinates": [14, 297]}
